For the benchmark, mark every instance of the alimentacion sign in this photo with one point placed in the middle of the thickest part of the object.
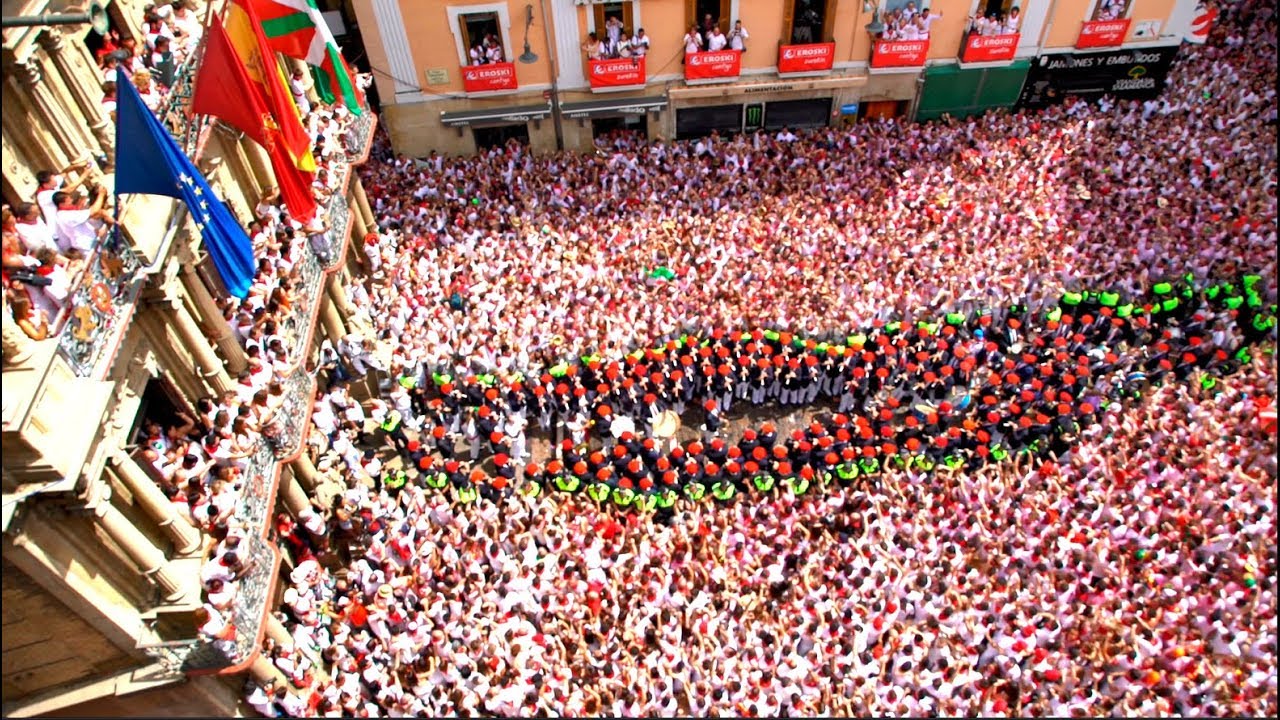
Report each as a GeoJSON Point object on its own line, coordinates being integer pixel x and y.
{"type": "Point", "coordinates": [1130, 74]}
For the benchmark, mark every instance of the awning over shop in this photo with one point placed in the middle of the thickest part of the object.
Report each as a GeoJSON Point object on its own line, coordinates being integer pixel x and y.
{"type": "Point", "coordinates": [496, 116]}
{"type": "Point", "coordinates": [613, 106]}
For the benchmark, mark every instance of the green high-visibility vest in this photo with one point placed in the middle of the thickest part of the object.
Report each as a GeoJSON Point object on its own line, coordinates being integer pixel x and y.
{"type": "Point", "coordinates": [869, 466]}
{"type": "Point", "coordinates": [825, 477]}
{"type": "Point", "coordinates": [487, 380]}
{"type": "Point", "coordinates": [1109, 299]}
{"type": "Point", "coordinates": [1208, 381]}
{"type": "Point", "coordinates": [622, 497]}
{"type": "Point", "coordinates": [407, 381]}
{"type": "Point", "coordinates": [955, 318]}
{"type": "Point", "coordinates": [1169, 304]}
{"type": "Point", "coordinates": [1234, 303]}
{"type": "Point", "coordinates": [999, 453]}
{"type": "Point", "coordinates": [437, 481]}
{"type": "Point", "coordinates": [666, 498]}
{"type": "Point", "coordinates": [645, 501]}
{"type": "Point", "coordinates": [763, 482]}
{"type": "Point", "coordinates": [1124, 310]}
{"type": "Point", "coordinates": [893, 327]}
{"type": "Point", "coordinates": [744, 337]}
{"type": "Point", "coordinates": [598, 491]}
{"type": "Point", "coordinates": [798, 485]}
{"type": "Point", "coordinates": [1253, 299]}
{"type": "Point", "coordinates": [567, 483]}
{"type": "Point", "coordinates": [898, 461]}
{"type": "Point", "coordinates": [771, 335]}
{"type": "Point", "coordinates": [1243, 355]}
{"type": "Point", "coordinates": [558, 370]}
{"type": "Point", "coordinates": [695, 491]}
{"type": "Point", "coordinates": [859, 339]}
{"type": "Point", "coordinates": [1162, 288]}
{"type": "Point", "coordinates": [1071, 298]}
{"type": "Point", "coordinates": [1263, 323]}
{"type": "Point", "coordinates": [441, 378]}
{"type": "Point", "coordinates": [1213, 292]}
{"type": "Point", "coordinates": [395, 481]}
{"type": "Point", "coordinates": [847, 470]}
{"type": "Point", "coordinates": [1054, 315]}
{"type": "Point", "coordinates": [953, 461]}
{"type": "Point", "coordinates": [467, 495]}
{"type": "Point", "coordinates": [392, 421]}
{"type": "Point", "coordinates": [1249, 281]}
{"type": "Point", "coordinates": [531, 489]}
{"type": "Point", "coordinates": [924, 463]}
{"type": "Point", "coordinates": [1090, 296]}
{"type": "Point", "coordinates": [723, 490]}
{"type": "Point", "coordinates": [821, 347]}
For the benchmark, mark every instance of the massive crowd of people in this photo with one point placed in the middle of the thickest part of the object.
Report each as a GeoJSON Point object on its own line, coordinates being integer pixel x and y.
{"type": "Point", "coordinates": [1032, 358]}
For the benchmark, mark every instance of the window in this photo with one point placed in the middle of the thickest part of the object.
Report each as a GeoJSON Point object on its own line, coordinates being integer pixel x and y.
{"type": "Point", "coordinates": [696, 12]}
{"type": "Point", "coordinates": [1111, 9]}
{"type": "Point", "coordinates": [481, 38]}
{"type": "Point", "coordinates": [472, 25]}
{"type": "Point", "coordinates": [808, 21]}
{"type": "Point", "coordinates": [623, 11]}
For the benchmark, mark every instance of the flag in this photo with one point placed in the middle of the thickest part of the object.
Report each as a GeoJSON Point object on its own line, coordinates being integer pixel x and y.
{"type": "Point", "coordinates": [149, 161]}
{"type": "Point", "coordinates": [245, 33]}
{"type": "Point", "coordinates": [1201, 24]}
{"type": "Point", "coordinates": [224, 90]}
{"type": "Point", "coordinates": [297, 29]}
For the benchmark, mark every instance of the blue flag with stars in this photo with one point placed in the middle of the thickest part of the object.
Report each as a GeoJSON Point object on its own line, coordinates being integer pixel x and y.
{"type": "Point", "coordinates": [149, 161]}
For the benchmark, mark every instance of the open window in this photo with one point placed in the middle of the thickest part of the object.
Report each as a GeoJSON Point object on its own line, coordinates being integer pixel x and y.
{"type": "Point", "coordinates": [480, 32]}
{"type": "Point", "coordinates": [697, 10]}
{"type": "Point", "coordinates": [808, 21]}
{"type": "Point", "coordinates": [622, 10]}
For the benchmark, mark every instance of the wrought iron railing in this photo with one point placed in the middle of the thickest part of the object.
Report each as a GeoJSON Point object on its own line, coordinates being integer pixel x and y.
{"type": "Point", "coordinates": [175, 110]}
{"type": "Point", "coordinates": [248, 613]}
{"type": "Point", "coordinates": [100, 305]}
{"type": "Point", "coordinates": [299, 390]}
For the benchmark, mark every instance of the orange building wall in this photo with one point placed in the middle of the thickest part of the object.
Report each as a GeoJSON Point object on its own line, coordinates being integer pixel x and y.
{"type": "Point", "coordinates": [1066, 19]}
{"type": "Point", "coordinates": [432, 43]}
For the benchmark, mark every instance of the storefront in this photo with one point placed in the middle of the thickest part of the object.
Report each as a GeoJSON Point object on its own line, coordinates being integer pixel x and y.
{"type": "Point", "coordinates": [960, 92]}
{"type": "Point", "coordinates": [493, 127]}
{"type": "Point", "coordinates": [606, 116]}
{"type": "Point", "coordinates": [1137, 74]}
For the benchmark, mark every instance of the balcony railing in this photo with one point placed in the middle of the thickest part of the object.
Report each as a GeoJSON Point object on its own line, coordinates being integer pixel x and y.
{"type": "Point", "coordinates": [299, 390]}
{"type": "Point", "coordinates": [248, 614]}
{"type": "Point", "coordinates": [99, 307]}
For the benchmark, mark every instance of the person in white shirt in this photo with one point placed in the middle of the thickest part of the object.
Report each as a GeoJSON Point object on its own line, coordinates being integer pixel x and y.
{"type": "Point", "coordinates": [32, 230]}
{"type": "Point", "coordinates": [477, 54]}
{"type": "Point", "coordinates": [910, 31]}
{"type": "Point", "coordinates": [1013, 21]}
{"type": "Point", "coordinates": [80, 225]}
{"type": "Point", "coordinates": [640, 44]}
{"type": "Point", "coordinates": [717, 40]}
{"type": "Point", "coordinates": [593, 47]}
{"type": "Point", "coordinates": [738, 37]}
{"type": "Point", "coordinates": [926, 20]}
{"type": "Point", "coordinates": [692, 40]}
{"type": "Point", "coordinates": [298, 86]}
{"type": "Point", "coordinates": [493, 50]}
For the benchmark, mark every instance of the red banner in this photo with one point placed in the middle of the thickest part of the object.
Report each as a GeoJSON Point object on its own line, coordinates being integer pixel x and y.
{"type": "Point", "coordinates": [990, 48]}
{"type": "Point", "coordinates": [708, 65]}
{"type": "Point", "coordinates": [806, 58]}
{"type": "Point", "coordinates": [617, 73]}
{"type": "Point", "coordinates": [493, 77]}
{"type": "Point", "coordinates": [1103, 33]}
{"type": "Point", "coordinates": [900, 53]}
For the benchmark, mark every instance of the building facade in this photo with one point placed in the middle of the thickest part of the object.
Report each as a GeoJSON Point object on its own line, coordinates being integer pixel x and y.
{"type": "Point", "coordinates": [804, 63]}
{"type": "Point", "coordinates": [101, 573]}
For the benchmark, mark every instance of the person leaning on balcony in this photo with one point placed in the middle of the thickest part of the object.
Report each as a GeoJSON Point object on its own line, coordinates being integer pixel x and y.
{"type": "Point", "coordinates": [738, 37]}
{"type": "Point", "coordinates": [49, 182]}
{"type": "Point", "coordinates": [692, 40]}
{"type": "Point", "coordinates": [476, 54]}
{"type": "Point", "coordinates": [147, 89]}
{"type": "Point", "coordinates": [1013, 21]}
{"type": "Point", "coordinates": [593, 47]}
{"type": "Point", "coordinates": [716, 39]}
{"type": "Point", "coordinates": [926, 20]}
{"type": "Point", "coordinates": [33, 321]}
{"type": "Point", "coordinates": [80, 223]}
{"type": "Point", "coordinates": [24, 236]}
{"type": "Point", "coordinates": [639, 44]}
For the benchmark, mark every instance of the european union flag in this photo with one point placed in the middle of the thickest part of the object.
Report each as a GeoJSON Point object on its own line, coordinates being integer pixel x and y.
{"type": "Point", "coordinates": [149, 161]}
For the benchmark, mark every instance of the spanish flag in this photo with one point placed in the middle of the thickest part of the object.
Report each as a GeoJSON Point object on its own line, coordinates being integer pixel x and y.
{"type": "Point", "coordinates": [245, 32]}
{"type": "Point", "coordinates": [224, 90]}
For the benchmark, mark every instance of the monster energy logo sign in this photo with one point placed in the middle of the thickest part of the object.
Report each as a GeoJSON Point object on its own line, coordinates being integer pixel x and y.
{"type": "Point", "coordinates": [753, 117]}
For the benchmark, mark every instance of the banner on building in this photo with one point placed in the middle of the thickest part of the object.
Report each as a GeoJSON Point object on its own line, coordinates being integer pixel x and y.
{"type": "Point", "coordinates": [494, 77]}
{"type": "Point", "coordinates": [617, 73]}
{"type": "Point", "coordinates": [712, 65]}
{"type": "Point", "coordinates": [1202, 24]}
{"type": "Point", "coordinates": [1128, 74]}
{"type": "Point", "coordinates": [815, 57]}
{"type": "Point", "coordinates": [1103, 33]}
{"type": "Point", "coordinates": [990, 48]}
{"type": "Point", "coordinates": [900, 53]}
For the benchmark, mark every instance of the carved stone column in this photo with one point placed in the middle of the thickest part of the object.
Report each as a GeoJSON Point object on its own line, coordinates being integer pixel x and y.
{"type": "Point", "coordinates": [214, 320]}
{"type": "Point", "coordinates": [362, 202]}
{"type": "Point", "coordinates": [294, 497]}
{"type": "Point", "coordinates": [338, 294]}
{"type": "Point", "coordinates": [52, 42]}
{"type": "Point", "coordinates": [264, 672]}
{"type": "Point", "coordinates": [233, 144]}
{"type": "Point", "coordinates": [148, 557]}
{"type": "Point", "coordinates": [30, 79]}
{"type": "Point", "coordinates": [260, 163]}
{"type": "Point", "coordinates": [305, 472]}
{"type": "Point", "coordinates": [186, 539]}
{"type": "Point", "coordinates": [333, 324]}
{"type": "Point", "coordinates": [209, 365]}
